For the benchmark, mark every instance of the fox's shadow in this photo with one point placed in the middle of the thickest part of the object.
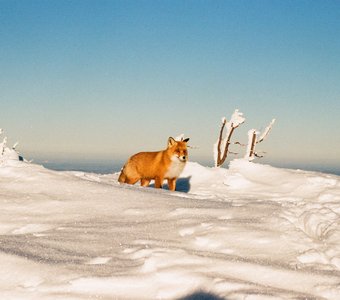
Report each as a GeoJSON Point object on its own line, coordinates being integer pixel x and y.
{"type": "Point", "coordinates": [182, 185]}
{"type": "Point", "coordinates": [202, 296]}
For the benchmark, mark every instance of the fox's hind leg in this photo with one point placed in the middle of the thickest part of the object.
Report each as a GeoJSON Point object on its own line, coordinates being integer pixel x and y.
{"type": "Point", "coordinates": [144, 182]}
{"type": "Point", "coordinates": [123, 178]}
{"type": "Point", "coordinates": [129, 174]}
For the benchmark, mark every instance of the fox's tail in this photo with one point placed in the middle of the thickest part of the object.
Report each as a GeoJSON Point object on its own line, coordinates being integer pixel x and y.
{"type": "Point", "coordinates": [122, 176]}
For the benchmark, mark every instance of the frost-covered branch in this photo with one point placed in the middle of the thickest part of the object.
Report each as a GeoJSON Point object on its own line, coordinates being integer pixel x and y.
{"type": "Point", "coordinates": [221, 147]}
{"type": "Point", "coordinates": [254, 138]}
{"type": "Point", "coordinates": [266, 131]}
{"type": "Point", "coordinates": [15, 145]}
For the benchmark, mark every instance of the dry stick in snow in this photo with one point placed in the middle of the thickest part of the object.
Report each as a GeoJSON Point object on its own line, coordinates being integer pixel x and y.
{"type": "Point", "coordinates": [220, 154]}
{"type": "Point", "coordinates": [226, 148]}
{"type": "Point", "coordinates": [253, 140]}
{"type": "Point", "coordinates": [218, 162]}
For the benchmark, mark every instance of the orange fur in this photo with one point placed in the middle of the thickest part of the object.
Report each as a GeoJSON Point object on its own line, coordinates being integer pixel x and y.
{"type": "Point", "coordinates": [160, 165]}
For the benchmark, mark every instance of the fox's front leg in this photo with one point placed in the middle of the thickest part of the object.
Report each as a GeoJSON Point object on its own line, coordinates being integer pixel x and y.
{"type": "Point", "coordinates": [158, 182]}
{"type": "Point", "coordinates": [172, 184]}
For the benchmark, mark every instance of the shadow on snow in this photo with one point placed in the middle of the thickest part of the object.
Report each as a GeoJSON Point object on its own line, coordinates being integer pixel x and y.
{"type": "Point", "coordinates": [182, 185]}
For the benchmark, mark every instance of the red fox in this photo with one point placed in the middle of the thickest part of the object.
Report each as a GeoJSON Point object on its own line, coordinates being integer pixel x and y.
{"type": "Point", "coordinates": [167, 164]}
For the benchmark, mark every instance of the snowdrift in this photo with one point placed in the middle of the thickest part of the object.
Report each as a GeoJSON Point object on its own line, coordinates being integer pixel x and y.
{"type": "Point", "coordinates": [247, 232]}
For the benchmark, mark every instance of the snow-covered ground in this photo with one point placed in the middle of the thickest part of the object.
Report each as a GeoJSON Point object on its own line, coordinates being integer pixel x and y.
{"type": "Point", "coordinates": [247, 232]}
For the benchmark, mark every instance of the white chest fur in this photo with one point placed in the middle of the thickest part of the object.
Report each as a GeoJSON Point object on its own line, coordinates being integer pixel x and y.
{"type": "Point", "coordinates": [175, 168]}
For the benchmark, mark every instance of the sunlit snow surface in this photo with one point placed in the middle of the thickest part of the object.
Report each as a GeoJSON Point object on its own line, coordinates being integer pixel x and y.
{"type": "Point", "coordinates": [247, 232]}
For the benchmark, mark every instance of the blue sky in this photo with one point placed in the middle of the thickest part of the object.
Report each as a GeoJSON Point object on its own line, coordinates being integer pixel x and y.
{"type": "Point", "coordinates": [105, 79]}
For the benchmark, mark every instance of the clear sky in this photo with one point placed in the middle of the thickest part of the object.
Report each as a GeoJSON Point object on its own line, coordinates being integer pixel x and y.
{"type": "Point", "coordinates": [105, 79]}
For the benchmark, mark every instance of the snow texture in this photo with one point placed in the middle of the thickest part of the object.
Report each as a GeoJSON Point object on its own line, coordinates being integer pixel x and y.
{"type": "Point", "coordinates": [248, 232]}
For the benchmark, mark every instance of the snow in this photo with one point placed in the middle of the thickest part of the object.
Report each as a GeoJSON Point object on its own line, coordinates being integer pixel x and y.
{"type": "Point", "coordinates": [251, 231]}
{"type": "Point", "coordinates": [237, 119]}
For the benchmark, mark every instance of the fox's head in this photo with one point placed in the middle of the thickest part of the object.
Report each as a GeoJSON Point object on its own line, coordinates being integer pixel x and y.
{"type": "Point", "coordinates": [178, 149]}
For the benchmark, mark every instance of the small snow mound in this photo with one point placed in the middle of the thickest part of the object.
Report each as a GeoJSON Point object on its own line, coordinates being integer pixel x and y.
{"type": "Point", "coordinates": [258, 173]}
{"type": "Point", "coordinates": [203, 179]}
{"type": "Point", "coordinates": [251, 178]}
{"type": "Point", "coordinates": [245, 176]}
{"type": "Point", "coordinates": [196, 171]}
{"type": "Point", "coordinates": [318, 222]}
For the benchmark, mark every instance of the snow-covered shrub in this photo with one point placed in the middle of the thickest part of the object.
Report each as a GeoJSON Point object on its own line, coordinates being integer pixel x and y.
{"type": "Point", "coordinates": [221, 147]}
{"type": "Point", "coordinates": [6, 153]}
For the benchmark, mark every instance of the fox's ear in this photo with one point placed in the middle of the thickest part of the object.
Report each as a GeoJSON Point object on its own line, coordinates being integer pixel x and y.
{"type": "Point", "coordinates": [171, 142]}
{"type": "Point", "coordinates": [186, 140]}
